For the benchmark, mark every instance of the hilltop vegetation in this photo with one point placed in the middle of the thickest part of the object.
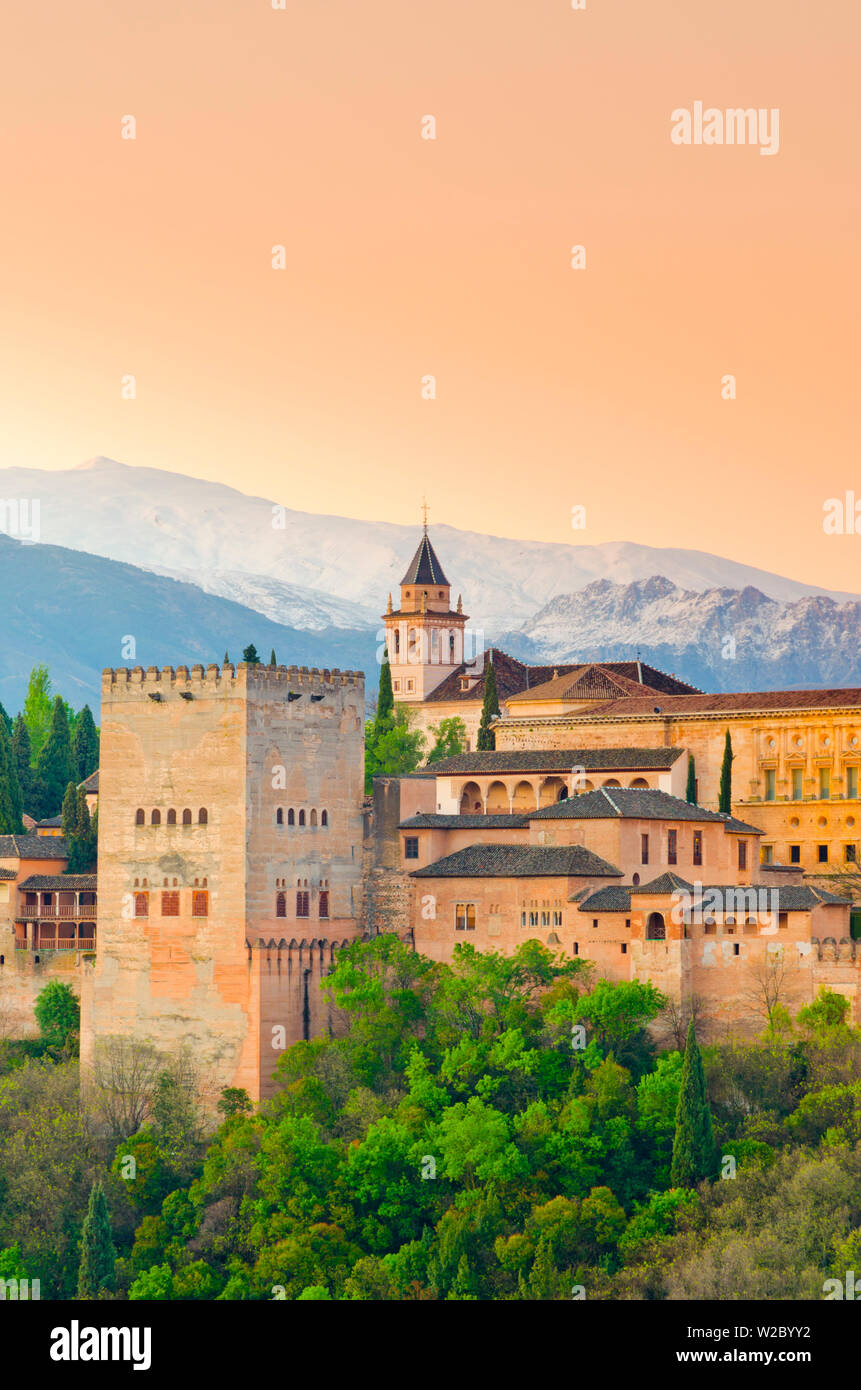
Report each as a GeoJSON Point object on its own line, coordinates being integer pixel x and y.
{"type": "Point", "coordinates": [454, 1144]}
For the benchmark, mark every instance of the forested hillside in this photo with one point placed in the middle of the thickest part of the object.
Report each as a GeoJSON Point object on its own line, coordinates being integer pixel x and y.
{"type": "Point", "coordinates": [494, 1129]}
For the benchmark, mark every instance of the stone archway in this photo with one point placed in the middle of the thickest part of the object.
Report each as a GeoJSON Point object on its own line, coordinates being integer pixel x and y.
{"type": "Point", "coordinates": [524, 797]}
{"type": "Point", "coordinates": [497, 802]}
{"type": "Point", "coordinates": [553, 789]}
{"type": "Point", "coordinates": [471, 803]}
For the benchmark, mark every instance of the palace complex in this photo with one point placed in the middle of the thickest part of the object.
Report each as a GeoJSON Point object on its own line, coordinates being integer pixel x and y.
{"type": "Point", "coordinates": [237, 851]}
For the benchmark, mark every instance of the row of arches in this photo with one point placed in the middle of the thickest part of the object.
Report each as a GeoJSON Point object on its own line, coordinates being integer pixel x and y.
{"type": "Point", "coordinates": [294, 817]}
{"type": "Point", "coordinates": [525, 795]}
{"type": "Point", "coordinates": [170, 818]}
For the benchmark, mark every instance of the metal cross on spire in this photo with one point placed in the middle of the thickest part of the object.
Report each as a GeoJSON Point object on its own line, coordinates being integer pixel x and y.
{"type": "Point", "coordinates": [425, 514]}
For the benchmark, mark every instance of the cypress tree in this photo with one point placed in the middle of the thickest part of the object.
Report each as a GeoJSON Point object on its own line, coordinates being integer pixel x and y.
{"type": "Point", "coordinates": [272, 658]}
{"type": "Point", "coordinates": [21, 755]}
{"type": "Point", "coordinates": [85, 744]}
{"type": "Point", "coordinates": [249, 654]}
{"type": "Point", "coordinates": [486, 736]}
{"type": "Point", "coordinates": [97, 1269]}
{"type": "Point", "coordinates": [10, 791]}
{"type": "Point", "coordinates": [6, 720]}
{"type": "Point", "coordinates": [226, 659]}
{"type": "Point", "coordinates": [691, 789]}
{"type": "Point", "coordinates": [70, 811]}
{"type": "Point", "coordinates": [725, 796]}
{"type": "Point", "coordinates": [385, 695]}
{"type": "Point", "coordinates": [694, 1154]}
{"type": "Point", "coordinates": [83, 847]}
{"type": "Point", "coordinates": [54, 766]}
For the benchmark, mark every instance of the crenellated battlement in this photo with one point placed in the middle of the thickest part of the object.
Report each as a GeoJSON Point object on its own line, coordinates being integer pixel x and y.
{"type": "Point", "coordinates": [155, 681]}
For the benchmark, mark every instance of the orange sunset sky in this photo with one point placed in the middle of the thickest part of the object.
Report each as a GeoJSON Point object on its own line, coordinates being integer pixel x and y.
{"type": "Point", "coordinates": [408, 257]}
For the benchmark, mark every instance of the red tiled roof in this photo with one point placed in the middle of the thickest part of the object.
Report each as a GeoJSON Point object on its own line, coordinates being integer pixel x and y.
{"type": "Point", "coordinates": [740, 702]}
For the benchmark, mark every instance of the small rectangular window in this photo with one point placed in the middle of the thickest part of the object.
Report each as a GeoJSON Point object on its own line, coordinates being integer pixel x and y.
{"type": "Point", "coordinates": [824, 783]}
{"type": "Point", "coordinates": [533, 919]}
{"type": "Point", "coordinates": [464, 917]}
{"type": "Point", "coordinates": [523, 919]}
{"type": "Point", "coordinates": [671, 847]}
{"type": "Point", "coordinates": [822, 854]}
{"type": "Point", "coordinates": [851, 783]}
{"type": "Point", "coordinates": [742, 854]}
{"type": "Point", "coordinates": [644, 849]}
{"type": "Point", "coordinates": [141, 904]}
{"type": "Point", "coordinates": [627, 921]}
{"type": "Point", "coordinates": [170, 904]}
{"type": "Point", "coordinates": [766, 855]}
{"type": "Point", "coordinates": [324, 903]}
{"type": "Point", "coordinates": [849, 853]}
{"type": "Point", "coordinates": [770, 774]}
{"type": "Point", "coordinates": [624, 948]}
{"type": "Point", "coordinates": [782, 920]}
{"type": "Point", "coordinates": [545, 919]}
{"type": "Point", "coordinates": [411, 847]}
{"type": "Point", "coordinates": [798, 784]}
{"type": "Point", "coordinates": [594, 921]}
{"type": "Point", "coordinates": [199, 904]}
{"type": "Point", "coordinates": [795, 854]}
{"type": "Point", "coordinates": [575, 949]}
{"type": "Point", "coordinates": [303, 901]}
{"type": "Point", "coordinates": [698, 847]}
{"type": "Point", "coordinates": [557, 919]}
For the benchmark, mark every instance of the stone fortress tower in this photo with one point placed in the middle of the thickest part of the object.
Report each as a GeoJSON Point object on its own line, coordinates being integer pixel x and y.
{"type": "Point", "coordinates": [230, 827]}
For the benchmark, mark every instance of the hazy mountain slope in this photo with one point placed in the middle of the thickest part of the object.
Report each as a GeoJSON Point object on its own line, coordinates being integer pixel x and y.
{"type": "Point", "coordinates": [73, 610]}
{"type": "Point", "coordinates": [722, 639]}
{"type": "Point", "coordinates": [206, 531]}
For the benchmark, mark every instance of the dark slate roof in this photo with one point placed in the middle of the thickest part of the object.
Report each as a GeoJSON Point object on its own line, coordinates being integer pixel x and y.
{"type": "Point", "coordinates": [425, 567]}
{"type": "Point", "coordinates": [615, 898]}
{"type": "Point", "coordinates": [91, 783]}
{"type": "Point", "coordinates": [6, 874]}
{"type": "Point", "coordinates": [33, 847]}
{"type": "Point", "coordinates": [557, 760]}
{"type": "Point", "coordinates": [50, 823]}
{"type": "Point", "coordinates": [519, 861]}
{"type": "Point", "coordinates": [665, 883]}
{"type": "Point", "coordinates": [429, 820]}
{"type": "Point", "coordinates": [735, 826]}
{"type": "Point", "coordinates": [639, 803]}
{"type": "Point", "coordinates": [51, 882]}
{"type": "Point", "coordinates": [791, 898]}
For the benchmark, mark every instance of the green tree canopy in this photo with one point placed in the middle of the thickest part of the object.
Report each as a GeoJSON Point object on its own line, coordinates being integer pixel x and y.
{"type": "Point", "coordinates": [38, 708]}
{"type": "Point", "coordinates": [85, 744]}
{"type": "Point", "coordinates": [97, 1270]}
{"type": "Point", "coordinates": [449, 739]}
{"type": "Point", "coordinates": [694, 1154]}
{"type": "Point", "coordinates": [54, 765]}
{"type": "Point", "coordinates": [489, 708]}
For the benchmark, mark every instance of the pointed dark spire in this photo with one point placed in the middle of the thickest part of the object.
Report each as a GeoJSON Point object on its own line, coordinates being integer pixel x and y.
{"type": "Point", "coordinates": [425, 567]}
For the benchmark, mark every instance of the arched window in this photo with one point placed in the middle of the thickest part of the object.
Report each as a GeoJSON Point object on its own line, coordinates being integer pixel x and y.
{"type": "Point", "coordinates": [313, 817]}
{"type": "Point", "coordinates": [203, 816]}
{"type": "Point", "coordinates": [186, 817]}
{"type": "Point", "coordinates": [155, 818]}
{"type": "Point", "coordinates": [280, 905]}
{"type": "Point", "coordinates": [302, 904]}
{"type": "Point", "coordinates": [397, 642]}
{"type": "Point", "coordinates": [171, 817]}
{"type": "Point", "coordinates": [655, 928]}
{"type": "Point", "coordinates": [324, 817]}
{"type": "Point", "coordinates": [291, 817]}
{"type": "Point", "coordinates": [279, 816]}
{"type": "Point", "coordinates": [301, 817]}
{"type": "Point", "coordinates": [140, 816]}
{"type": "Point", "coordinates": [324, 904]}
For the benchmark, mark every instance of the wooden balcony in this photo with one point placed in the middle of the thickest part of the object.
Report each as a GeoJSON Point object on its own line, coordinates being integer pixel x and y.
{"type": "Point", "coordinates": [58, 943]}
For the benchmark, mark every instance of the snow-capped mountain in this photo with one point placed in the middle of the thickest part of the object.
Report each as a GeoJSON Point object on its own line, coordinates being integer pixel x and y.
{"type": "Point", "coordinates": [309, 570]}
{"type": "Point", "coordinates": [718, 639]}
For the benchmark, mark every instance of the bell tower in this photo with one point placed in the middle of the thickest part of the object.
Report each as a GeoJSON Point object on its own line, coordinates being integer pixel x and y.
{"type": "Point", "coordinates": [424, 635]}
